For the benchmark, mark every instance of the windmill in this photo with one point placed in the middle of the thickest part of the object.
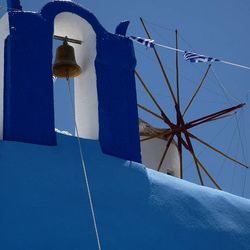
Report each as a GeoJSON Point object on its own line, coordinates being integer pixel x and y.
{"type": "Point", "coordinates": [180, 129]}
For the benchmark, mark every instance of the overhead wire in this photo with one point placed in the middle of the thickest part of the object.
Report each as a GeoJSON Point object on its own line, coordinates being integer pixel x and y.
{"type": "Point", "coordinates": [172, 70]}
{"type": "Point", "coordinates": [229, 97]}
{"type": "Point", "coordinates": [246, 170]}
{"type": "Point", "coordinates": [243, 151]}
{"type": "Point", "coordinates": [193, 49]}
{"type": "Point", "coordinates": [219, 82]}
{"type": "Point", "coordinates": [227, 151]}
{"type": "Point", "coordinates": [225, 91]}
{"type": "Point", "coordinates": [234, 169]}
{"type": "Point", "coordinates": [213, 139]}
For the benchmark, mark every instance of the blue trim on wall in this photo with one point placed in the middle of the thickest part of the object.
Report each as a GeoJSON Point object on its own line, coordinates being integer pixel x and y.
{"type": "Point", "coordinates": [28, 102]}
{"type": "Point", "coordinates": [14, 4]}
{"type": "Point", "coordinates": [121, 28]}
{"type": "Point", "coordinates": [50, 10]}
{"type": "Point", "coordinates": [29, 111]}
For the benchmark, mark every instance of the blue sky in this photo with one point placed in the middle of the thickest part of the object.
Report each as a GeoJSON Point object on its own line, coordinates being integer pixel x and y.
{"type": "Point", "coordinates": [214, 28]}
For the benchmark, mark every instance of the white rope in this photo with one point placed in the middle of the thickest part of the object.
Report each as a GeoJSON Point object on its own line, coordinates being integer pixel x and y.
{"type": "Point", "coordinates": [183, 51]}
{"type": "Point", "coordinates": [84, 170]}
{"type": "Point", "coordinates": [160, 45]}
{"type": "Point", "coordinates": [170, 48]}
{"type": "Point", "coordinates": [235, 64]}
{"type": "Point", "coordinates": [222, 61]}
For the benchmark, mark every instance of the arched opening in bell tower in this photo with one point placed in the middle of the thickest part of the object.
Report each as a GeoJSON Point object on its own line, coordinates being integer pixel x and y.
{"type": "Point", "coordinates": [83, 87]}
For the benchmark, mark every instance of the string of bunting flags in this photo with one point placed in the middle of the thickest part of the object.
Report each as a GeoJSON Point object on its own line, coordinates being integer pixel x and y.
{"type": "Point", "coordinates": [187, 55]}
{"type": "Point", "coordinates": [192, 57]}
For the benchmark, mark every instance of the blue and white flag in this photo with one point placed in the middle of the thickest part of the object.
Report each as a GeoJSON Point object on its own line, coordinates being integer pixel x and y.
{"type": "Point", "coordinates": [188, 56]}
{"type": "Point", "coordinates": [196, 58]}
{"type": "Point", "coordinates": [149, 43]}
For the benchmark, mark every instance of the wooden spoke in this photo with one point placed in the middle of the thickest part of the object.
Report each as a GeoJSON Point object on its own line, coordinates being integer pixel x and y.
{"type": "Point", "coordinates": [214, 119]}
{"type": "Point", "coordinates": [165, 152]}
{"type": "Point", "coordinates": [213, 116]}
{"type": "Point", "coordinates": [208, 175]}
{"type": "Point", "coordinates": [165, 76]}
{"type": "Point", "coordinates": [180, 128]}
{"type": "Point", "coordinates": [148, 138]}
{"type": "Point", "coordinates": [223, 116]}
{"type": "Point", "coordinates": [200, 164]}
{"type": "Point", "coordinates": [177, 68]}
{"type": "Point", "coordinates": [149, 111]}
{"type": "Point", "coordinates": [197, 90]}
{"type": "Point", "coordinates": [180, 152]}
{"type": "Point", "coordinates": [160, 63]}
{"type": "Point", "coordinates": [191, 150]}
{"type": "Point", "coordinates": [157, 135]}
{"type": "Point", "coordinates": [148, 91]}
{"type": "Point", "coordinates": [184, 144]}
{"type": "Point", "coordinates": [166, 119]}
{"type": "Point", "coordinates": [178, 102]}
{"type": "Point", "coordinates": [217, 150]}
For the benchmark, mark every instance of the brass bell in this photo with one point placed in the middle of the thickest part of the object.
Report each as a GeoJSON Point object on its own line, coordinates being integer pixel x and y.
{"type": "Point", "coordinates": [65, 65]}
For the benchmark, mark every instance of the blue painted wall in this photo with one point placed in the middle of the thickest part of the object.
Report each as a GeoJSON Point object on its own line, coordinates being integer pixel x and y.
{"type": "Point", "coordinates": [28, 102]}
{"type": "Point", "coordinates": [44, 204]}
{"type": "Point", "coordinates": [28, 87]}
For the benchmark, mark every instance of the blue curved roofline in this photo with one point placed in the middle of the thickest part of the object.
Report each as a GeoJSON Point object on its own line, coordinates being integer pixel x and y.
{"type": "Point", "coordinates": [52, 9]}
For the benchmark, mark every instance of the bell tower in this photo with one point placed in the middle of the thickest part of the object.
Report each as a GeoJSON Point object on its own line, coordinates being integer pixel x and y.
{"type": "Point", "coordinates": [105, 94]}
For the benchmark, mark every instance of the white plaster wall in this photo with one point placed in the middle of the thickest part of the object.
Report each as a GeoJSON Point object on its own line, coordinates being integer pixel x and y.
{"type": "Point", "coordinates": [4, 32]}
{"type": "Point", "coordinates": [86, 102]}
{"type": "Point", "coordinates": [152, 152]}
